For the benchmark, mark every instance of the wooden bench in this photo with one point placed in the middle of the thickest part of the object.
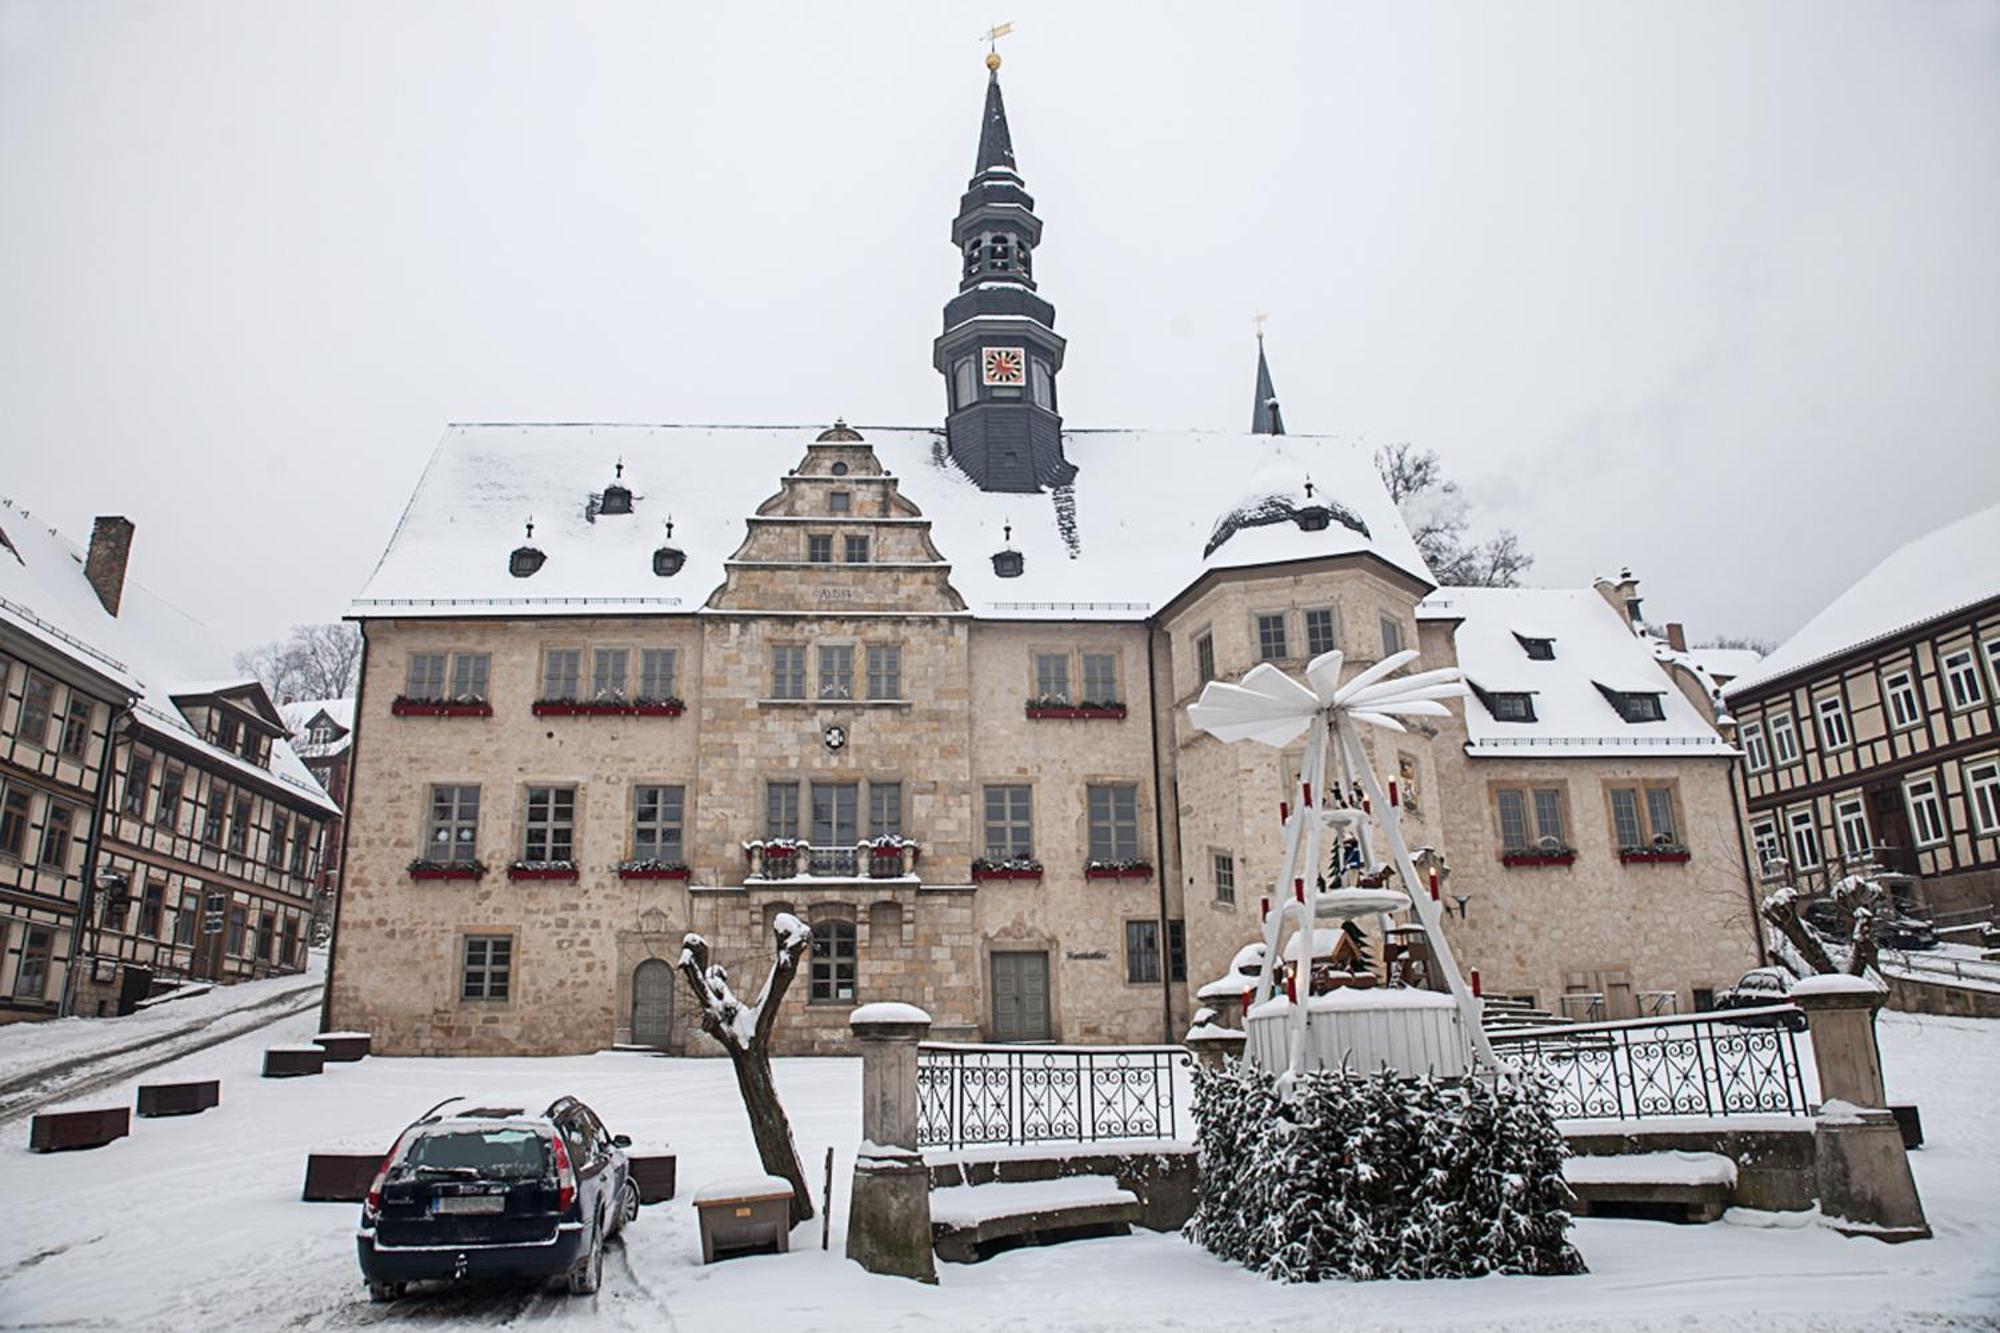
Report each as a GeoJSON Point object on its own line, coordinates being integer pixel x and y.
{"type": "Point", "coordinates": [747, 1216]}
{"type": "Point", "coordinates": [345, 1047]}
{"type": "Point", "coordinates": [653, 1173]}
{"type": "Point", "coordinates": [1665, 1186]}
{"type": "Point", "coordinates": [974, 1222]}
{"type": "Point", "coordinates": [158, 1099]}
{"type": "Point", "coordinates": [339, 1175]}
{"type": "Point", "coordinates": [61, 1131]}
{"type": "Point", "coordinates": [293, 1061]}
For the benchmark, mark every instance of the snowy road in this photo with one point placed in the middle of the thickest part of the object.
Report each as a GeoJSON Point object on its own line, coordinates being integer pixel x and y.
{"type": "Point", "coordinates": [196, 1224]}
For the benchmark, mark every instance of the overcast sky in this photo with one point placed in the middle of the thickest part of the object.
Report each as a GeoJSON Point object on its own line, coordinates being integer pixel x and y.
{"type": "Point", "coordinates": [1711, 290]}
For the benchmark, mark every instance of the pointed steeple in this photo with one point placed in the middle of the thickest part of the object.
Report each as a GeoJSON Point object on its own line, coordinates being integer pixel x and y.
{"type": "Point", "coordinates": [1265, 418]}
{"type": "Point", "coordinates": [996, 146]}
{"type": "Point", "coordinates": [999, 353]}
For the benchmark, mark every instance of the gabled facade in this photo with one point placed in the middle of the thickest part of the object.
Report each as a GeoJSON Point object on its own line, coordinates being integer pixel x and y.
{"type": "Point", "coordinates": [158, 827]}
{"type": "Point", "coordinates": [1872, 736]}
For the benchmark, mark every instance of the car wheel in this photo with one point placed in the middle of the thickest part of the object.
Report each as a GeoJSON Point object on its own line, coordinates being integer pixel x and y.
{"type": "Point", "coordinates": [589, 1270]}
{"type": "Point", "coordinates": [383, 1292]}
{"type": "Point", "coordinates": [628, 1205]}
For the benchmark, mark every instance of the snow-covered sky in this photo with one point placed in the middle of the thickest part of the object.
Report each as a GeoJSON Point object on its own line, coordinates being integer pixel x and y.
{"type": "Point", "coordinates": [1709, 289]}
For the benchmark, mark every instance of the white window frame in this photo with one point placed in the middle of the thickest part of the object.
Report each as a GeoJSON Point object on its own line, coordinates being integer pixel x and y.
{"type": "Point", "coordinates": [1982, 795]}
{"type": "Point", "coordinates": [1850, 817]}
{"type": "Point", "coordinates": [1798, 821]}
{"type": "Point", "coordinates": [1830, 715]}
{"type": "Point", "coordinates": [1767, 840]}
{"type": "Point", "coordinates": [1895, 695]}
{"type": "Point", "coordinates": [1791, 741]}
{"type": "Point", "coordinates": [1756, 753]}
{"type": "Point", "coordinates": [1966, 672]}
{"type": "Point", "coordinates": [1933, 800]}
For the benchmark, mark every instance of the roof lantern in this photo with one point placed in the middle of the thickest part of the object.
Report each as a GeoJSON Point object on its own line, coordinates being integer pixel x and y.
{"type": "Point", "coordinates": [667, 561]}
{"type": "Point", "coordinates": [1008, 563]}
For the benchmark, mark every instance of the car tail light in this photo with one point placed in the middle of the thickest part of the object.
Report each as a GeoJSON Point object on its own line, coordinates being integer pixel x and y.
{"type": "Point", "coordinates": [373, 1204]}
{"type": "Point", "coordinates": [565, 1176]}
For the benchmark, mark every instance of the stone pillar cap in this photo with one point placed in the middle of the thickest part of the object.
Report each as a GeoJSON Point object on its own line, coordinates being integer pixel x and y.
{"type": "Point", "coordinates": [884, 1018]}
{"type": "Point", "coordinates": [1836, 990]}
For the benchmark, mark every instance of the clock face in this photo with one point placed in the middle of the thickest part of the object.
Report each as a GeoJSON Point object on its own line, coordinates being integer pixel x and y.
{"type": "Point", "coordinates": [1003, 365]}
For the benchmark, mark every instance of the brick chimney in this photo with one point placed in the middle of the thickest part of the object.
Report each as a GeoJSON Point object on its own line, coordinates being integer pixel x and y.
{"type": "Point", "coordinates": [1677, 638]}
{"type": "Point", "coordinates": [110, 548]}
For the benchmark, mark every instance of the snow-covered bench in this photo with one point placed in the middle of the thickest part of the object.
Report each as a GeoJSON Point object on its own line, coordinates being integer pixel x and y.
{"type": "Point", "coordinates": [1671, 1186]}
{"type": "Point", "coordinates": [971, 1222]}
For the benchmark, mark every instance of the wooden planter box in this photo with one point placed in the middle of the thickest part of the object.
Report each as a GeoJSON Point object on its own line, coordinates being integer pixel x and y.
{"type": "Point", "coordinates": [157, 1099]}
{"type": "Point", "coordinates": [447, 872]}
{"type": "Point", "coordinates": [440, 708]}
{"type": "Point", "coordinates": [293, 1061]}
{"type": "Point", "coordinates": [334, 1176]}
{"type": "Point", "coordinates": [751, 1219]}
{"type": "Point", "coordinates": [1651, 856]}
{"type": "Point", "coordinates": [344, 1048]}
{"type": "Point", "coordinates": [1075, 714]}
{"type": "Point", "coordinates": [557, 708]}
{"type": "Point", "coordinates": [1515, 859]}
{"type": "Point", "coordinates": [61, 1131]}
{"type": "Point", "coordinates": [566, 874]}
{"type": "Point", "coordinates": [652, 872]}
{"type": "Point", "coordinates": [1118, 872]}
{"type": "Point", "coordinates": [653, 1173]}
{"type": "Point", "coordinates": [978, 875]}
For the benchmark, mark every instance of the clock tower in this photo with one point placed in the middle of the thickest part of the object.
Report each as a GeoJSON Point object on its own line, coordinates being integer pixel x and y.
{"type": "Point", "coordinates": [999, 353]}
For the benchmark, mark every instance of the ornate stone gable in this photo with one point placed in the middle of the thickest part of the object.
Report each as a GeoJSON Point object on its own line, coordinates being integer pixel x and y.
{"type": "Point", "coordinates": [838, 538]}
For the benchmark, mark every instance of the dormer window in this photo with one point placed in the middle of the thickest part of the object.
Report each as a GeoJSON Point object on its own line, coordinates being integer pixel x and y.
{"type": "Point", "coordinates": [617, 498]}
{"type": "Point", "coordinates": [1540, 650]}
{"type": "Point", "coordinates": [667, 561]}
{"type": "Point", "coordinates": [1635, 705]}
{"type": "Point", "coordinates": [1511, 706]}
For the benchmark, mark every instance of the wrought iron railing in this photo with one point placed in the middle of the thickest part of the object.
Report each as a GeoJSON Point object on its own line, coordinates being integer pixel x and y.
{"type": "Point", "coordinates": [971, 1095]}
{"type": "Point", "coordinates": [1731, 1062]}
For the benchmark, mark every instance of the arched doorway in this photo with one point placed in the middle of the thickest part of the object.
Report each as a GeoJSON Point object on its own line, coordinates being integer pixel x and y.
{"type": "Point", "coordinates": [653, 1004]}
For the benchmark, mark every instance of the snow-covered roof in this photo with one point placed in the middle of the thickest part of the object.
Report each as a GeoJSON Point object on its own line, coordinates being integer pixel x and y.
{"type": "Point", "coordinates": [301, 714]}
{"type": "Point", "coordinates": [150, 648]}
{"type": "Point", "coordinates": [1946, 571]}
{"type": "Point", "coordinates": [1595, 651]}
{"type": "Point", "coordinates": [1145, 505]}
{"type": "Point", "coordinates": [1724, 664]}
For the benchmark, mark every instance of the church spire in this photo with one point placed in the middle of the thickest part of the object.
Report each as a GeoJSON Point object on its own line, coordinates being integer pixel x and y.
{"type": "Point", "coordinates": [999, 352]}
{"type": "Point", "coordinates": [1265, 418]}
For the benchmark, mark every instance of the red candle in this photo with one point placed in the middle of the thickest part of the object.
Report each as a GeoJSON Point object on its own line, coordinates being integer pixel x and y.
{"type": "Point", "coordinates": [1264, 909]}
{"type": "Point", "coordinates": [1392, 793]}
{"type": "Point", "coordinates": [1299, 888]}
{"type": "Point", "coordinates": [1309, 795]}
{"type": "Point", "coordinates": [1475, 983]}
{"type": "Point", "coordinates": [1434, 884]}
{"type": "Point", "coordinates": [1284, 811]}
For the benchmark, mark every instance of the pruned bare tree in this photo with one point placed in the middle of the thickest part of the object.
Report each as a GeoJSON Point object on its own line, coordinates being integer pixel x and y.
{"type": "Point", "coordinates": [1861, 896]}
{"type": "Point", "coordinates": [745, 1033]}
{"type": "Point", "coordinates": [1438, 516]}
{"type": "Point", "coordinates": [310, 662]}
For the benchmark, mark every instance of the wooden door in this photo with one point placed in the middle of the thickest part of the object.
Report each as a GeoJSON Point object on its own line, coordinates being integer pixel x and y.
{"type": "Point", "coordinates": [1021, 996]}
{"type": "Point", "coordinates": [653, 1004]}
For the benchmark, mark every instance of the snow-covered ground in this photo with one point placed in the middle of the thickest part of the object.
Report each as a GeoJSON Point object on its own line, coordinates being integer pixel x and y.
{"type": "Point", "coordinates": [196, 1223]}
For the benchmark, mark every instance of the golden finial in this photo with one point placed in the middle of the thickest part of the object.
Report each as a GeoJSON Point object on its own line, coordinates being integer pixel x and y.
{"type": "Point", "coordinates": [992, 38]}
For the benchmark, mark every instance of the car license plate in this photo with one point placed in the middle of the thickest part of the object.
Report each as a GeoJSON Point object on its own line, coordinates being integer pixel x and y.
{"type": "Point", "coordinates": [470, 1203]}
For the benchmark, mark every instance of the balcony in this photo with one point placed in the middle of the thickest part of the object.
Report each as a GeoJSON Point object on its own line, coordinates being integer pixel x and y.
{"type": "Point", "coordinates": [788, 858]}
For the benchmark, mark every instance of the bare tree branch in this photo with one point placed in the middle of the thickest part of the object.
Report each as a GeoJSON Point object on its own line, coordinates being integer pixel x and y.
{"type": "Point", "coordinates": [310, 662]}
{"type": "Point", "coordinates": [1437, 515]}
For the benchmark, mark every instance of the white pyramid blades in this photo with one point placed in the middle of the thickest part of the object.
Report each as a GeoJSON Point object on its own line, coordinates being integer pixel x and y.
{"type": "Point", "coordinates": [1268, 707]}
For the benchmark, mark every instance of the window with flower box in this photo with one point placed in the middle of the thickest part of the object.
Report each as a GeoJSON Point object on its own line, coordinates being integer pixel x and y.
{"type": "Point", "coordinates": [549, 833]}
{"type": "Point", "coordinates": [1113, 810]}
{"type": "Point", "coordinates": [451, 833]}
{"type": "Point", "coordinates": [426, 676]}
{"type": "Point", "coordinates": [1010, 830]}
{"type": "Point", "coordinates": [1532, 828]}
{"type": "Point", "coordinates": [1052, 678]}
{"type": "Point", "coordinates": [562, 673]}
{"type": "Point", "coordinates": [1643, 824]}
{"type": "Point", "coordinates": [656, 674]}
{"type": "Point", "coordinates": [608, 667]}
{"type": "Point", "coordinates": [657, 822]}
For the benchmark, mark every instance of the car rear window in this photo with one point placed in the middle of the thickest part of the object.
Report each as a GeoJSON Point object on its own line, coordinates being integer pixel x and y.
{"type": "Point", "coordinates": [506, 1154]}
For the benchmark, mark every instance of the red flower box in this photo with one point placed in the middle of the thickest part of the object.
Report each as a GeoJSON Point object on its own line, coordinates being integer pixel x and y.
{"type": "Point", "coordinates": [404, 707]}
{"type": "Point", "coordinates": [447, 872]}
{"type": "Point", "coordinates": [1654, 855]}
{"type": "Point", "coordinates": [978, 874]}
{"type": "Point", "coordinates": [1561, 858]}
{"type": "Point", "coordinates": [1118, 872]}
{"type": "Point", "coordinates": [567, 874]}
{"type": "Point", "coordinates": [652, 872]}
{"type": "Point", "coordinates": [1076, 713]}
{"type": "Point", "coordinates": [606, 708]}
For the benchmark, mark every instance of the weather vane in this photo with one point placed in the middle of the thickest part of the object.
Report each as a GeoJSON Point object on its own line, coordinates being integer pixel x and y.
{"type": "Point", "coordinates": [1259, 322]}
{"type": "Point", "coordinates": [992, 38]}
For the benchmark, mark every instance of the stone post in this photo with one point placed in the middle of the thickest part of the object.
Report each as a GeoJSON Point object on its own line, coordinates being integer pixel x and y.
{"type": "Point", "coordinates": [889, 1209]}
{"type": "Point", "coordinates": [1213, 1042]}
{"type": "Point", "coordinates": [1865, 1185]}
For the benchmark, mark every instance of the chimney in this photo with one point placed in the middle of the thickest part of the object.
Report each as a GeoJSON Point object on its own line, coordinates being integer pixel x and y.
{"type": "Point", "coordinates": [1677, 638]}
{"type": "Point", "coordinates": [110, 548]}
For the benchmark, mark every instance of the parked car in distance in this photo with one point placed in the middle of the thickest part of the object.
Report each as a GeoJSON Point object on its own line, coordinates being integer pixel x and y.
{"type": "Point", "coordinates": [493, 1191]}
{"type": "Point", "coordinates": [1894, 929]}
{"type": "Point", "coordinates": [1760, 988]}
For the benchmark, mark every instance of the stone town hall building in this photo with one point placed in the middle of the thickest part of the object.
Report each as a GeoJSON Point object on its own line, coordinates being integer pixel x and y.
{"type": "Point", "coordinates": [926, 688]}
